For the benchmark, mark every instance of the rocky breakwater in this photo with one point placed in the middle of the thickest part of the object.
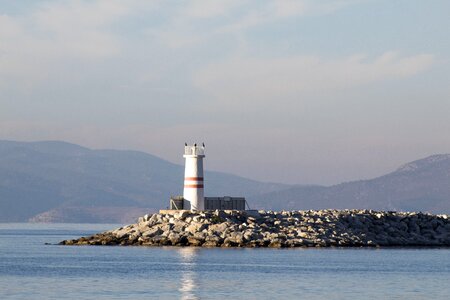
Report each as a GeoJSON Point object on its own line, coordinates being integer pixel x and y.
{"type": "Point", "coordinates": [322, 228]}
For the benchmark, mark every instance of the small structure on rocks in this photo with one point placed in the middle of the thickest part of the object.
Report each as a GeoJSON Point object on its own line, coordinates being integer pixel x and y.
{"type": "Point", "coordinates": [193, 194]}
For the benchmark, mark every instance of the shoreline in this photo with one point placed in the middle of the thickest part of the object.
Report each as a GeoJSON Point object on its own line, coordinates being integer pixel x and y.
{"type": "Point", "coordinates": [284, 229]}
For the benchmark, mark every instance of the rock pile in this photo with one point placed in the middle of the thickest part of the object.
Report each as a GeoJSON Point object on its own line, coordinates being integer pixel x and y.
{"type": "Point", "coordinates": [321, 228]}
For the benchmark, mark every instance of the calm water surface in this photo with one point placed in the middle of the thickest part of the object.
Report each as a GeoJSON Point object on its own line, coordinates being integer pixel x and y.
{"type": "Point", "coordinates": [29, 269]}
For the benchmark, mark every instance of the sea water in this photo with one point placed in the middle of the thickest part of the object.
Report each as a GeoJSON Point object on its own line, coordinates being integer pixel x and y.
{"type": "Point", "coordinates": [30, 269]}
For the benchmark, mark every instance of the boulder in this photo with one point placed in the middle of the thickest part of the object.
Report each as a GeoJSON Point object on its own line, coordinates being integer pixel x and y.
{"type": "Point", "coordinates": [195, 241]}
{"type": "Point", "coordinates": [152, 232]}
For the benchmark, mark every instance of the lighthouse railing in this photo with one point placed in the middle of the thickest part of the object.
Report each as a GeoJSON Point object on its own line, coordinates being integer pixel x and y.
{"type": "Point", "coordinates": [194, 150]}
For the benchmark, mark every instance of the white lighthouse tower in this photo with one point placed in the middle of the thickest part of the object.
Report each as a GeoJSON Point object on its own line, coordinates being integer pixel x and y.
{"type": "Point", "coordinates": [193, 192]}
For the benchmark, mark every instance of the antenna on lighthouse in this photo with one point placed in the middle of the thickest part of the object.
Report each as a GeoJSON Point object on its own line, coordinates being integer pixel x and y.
{"type": "Point", "coordinates": [193, 193]}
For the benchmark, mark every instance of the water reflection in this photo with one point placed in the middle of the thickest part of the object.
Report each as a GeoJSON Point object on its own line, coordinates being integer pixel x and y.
{"type": "Point", "coordinates": [188, 284]}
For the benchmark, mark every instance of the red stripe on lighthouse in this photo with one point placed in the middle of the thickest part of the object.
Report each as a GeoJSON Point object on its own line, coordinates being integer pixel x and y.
{"type": "Point", "coordinates": [193, 178]}
{"type": "Point", "coordinates": [195, 186]}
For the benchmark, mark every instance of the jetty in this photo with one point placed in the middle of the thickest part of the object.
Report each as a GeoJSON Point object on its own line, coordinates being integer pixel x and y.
{"type": "Point", "coordinates": [283, 229]}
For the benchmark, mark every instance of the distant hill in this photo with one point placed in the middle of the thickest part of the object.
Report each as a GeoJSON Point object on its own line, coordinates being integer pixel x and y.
{"type": "Point", "coordinates": [54, 181]}
{"type": "Point", "coordinates": [422, 185]}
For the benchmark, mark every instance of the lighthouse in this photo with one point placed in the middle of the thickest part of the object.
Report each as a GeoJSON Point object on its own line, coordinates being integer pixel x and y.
{"type": "Point", "coordinates": [193, 192]}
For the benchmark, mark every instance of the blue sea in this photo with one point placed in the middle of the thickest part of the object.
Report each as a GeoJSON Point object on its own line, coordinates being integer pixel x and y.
{"type": "Point", "coordinates": [30, 269]}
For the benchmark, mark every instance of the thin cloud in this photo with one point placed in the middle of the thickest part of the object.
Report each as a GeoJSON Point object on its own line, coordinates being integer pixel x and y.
{"type": "Point", "coordinates": [279, 10]}
{"type": "Point", "coordinates": [182, 27]}
{"type": "Point", "coordinates": [37, 46]}
{"type": "Point", "coordinates": [254, 79]}
{"type": "Point", "coordinates": [209, 9]}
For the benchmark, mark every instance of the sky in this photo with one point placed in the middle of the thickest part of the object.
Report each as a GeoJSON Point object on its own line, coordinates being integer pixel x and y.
{"type": "Point", "coordinates": [300, 92]}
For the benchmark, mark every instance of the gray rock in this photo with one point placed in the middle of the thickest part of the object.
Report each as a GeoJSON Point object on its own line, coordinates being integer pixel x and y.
{"type": "Point", "coordinates": [181, 215]}
{"type": "Point", "coordinates": [152, 232]}
{"type": "Point", "coordinates": [195, 241]}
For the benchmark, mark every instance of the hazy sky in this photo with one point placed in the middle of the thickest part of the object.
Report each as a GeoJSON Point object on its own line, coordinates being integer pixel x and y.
{"type": "Point", "coordinates": [304, 91]}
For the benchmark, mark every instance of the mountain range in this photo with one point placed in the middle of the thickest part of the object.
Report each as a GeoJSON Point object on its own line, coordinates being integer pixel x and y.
{"type": "Point", "coordinates": [421, 185]}
{"type": "Point", "coordinates": [54, 181]}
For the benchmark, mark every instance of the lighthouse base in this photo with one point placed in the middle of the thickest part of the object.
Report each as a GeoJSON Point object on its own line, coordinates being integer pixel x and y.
{"type": "Point", "coordinates": [211, 203]}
